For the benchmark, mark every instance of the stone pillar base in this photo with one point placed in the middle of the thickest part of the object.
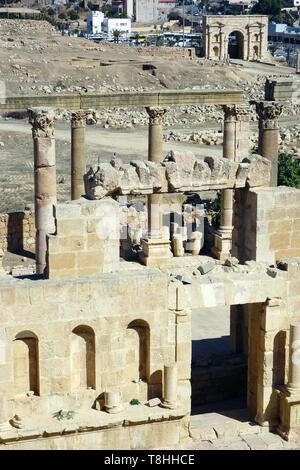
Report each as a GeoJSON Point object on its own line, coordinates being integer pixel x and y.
{"type": "Point", "coordinates": [155, 252]}
{"type": "Point", "coordinates": [223, 244]}
{"type": "Point", "coordinates": [169, 405]}
{"type": "Point", "coordinates": [289, 428]}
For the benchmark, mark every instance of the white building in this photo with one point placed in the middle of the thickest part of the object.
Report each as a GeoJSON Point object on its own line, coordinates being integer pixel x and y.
{"type": "Point", "coordinates": [121, 24]}
{"type": "Point", "coordinates": [94, 20]}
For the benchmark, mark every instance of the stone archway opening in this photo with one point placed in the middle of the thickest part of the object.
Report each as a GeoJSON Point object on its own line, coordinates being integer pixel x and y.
{"type": "Point", "coordinates": [236, 45]}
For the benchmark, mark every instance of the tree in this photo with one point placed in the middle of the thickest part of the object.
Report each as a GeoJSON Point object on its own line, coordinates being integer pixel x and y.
{"type": "Point", "coordinates": [73, 15]}
{"type": "Point", "coordinates": [51, 11]}
{"type": "Point", "coordinates": [288, 171]}
{"type": "Point", "coordinates": [137, 37]}
{"type": "Point", "coordinates": [62, 16]}
{"type": "Point", "coordinates": [267, 7]}
{"type": "Point", "coordinates": [273, 48]}
{"type": "Point", "coordinates": [116, 34]}
{"type": "Point", "coordinates": [159, 41]}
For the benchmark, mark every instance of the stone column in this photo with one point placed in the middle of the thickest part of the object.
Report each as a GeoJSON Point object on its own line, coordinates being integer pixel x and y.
{"type": "Point", "coordinates": [222, 51]}
{"type": "Point", "coordinates": [78, 163]}
{"type": "Point", "coordinates": [298, 62]}
{"type": "Point", "coordinates": [170, 386]}
{"type": "Point", "coordinates": [112, 402]}
{"type": "Point", "coordinates": [268, 136]}
{"type": "Point", "coordinates": [156, 250]}
{"type": "Point", "coordinates": [42, 121]}
{"type": "Point", "coordinates": [2, 270]}
{"type": "Point", "coordinates": [294, 360]}
{"type": "Point", "coordinates": [235, 147]}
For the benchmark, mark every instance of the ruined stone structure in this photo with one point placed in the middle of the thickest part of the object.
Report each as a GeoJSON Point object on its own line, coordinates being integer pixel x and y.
{"type": "Point", "coordinates": [89, 334]}
{"type": "Point", "coordinates": [241, 37]}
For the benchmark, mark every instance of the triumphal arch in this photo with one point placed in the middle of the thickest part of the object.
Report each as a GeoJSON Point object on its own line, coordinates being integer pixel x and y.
{"type": "Point", "coordinates": [240, 37]}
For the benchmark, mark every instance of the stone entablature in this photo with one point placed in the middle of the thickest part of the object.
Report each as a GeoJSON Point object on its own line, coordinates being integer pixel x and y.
{"type": "Point", "coordinates": [178, 172]}
{"type": "Point", "coordinates": [252, 33]}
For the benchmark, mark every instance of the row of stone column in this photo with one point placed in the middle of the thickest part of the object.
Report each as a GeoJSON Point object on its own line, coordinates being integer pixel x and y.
{"type": "Point", "coordinates": [155, 248]}
{"type": "Point", "coordinates": [236, 146]}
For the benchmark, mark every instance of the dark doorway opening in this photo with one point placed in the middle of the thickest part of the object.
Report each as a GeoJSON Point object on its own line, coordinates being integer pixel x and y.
{"type": "Point", "coordinates": [236, 45]}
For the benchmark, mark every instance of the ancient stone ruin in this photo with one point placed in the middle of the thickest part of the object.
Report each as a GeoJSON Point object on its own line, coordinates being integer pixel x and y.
{"type": "Point", "coordinates": [95, 350]}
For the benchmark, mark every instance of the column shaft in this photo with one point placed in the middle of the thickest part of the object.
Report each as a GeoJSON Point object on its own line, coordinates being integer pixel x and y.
{"type": "Point", "coordinates": [294, 360]}
{"type": "Point", "coordinates": [78, 163]}
{"type": "Point", "coordinates": [155, 154]}
{"type": "Point", "coordinates": [156, 250]}
{"type": "Point", "coordinates": [42, 121]}
{"type": "Point", "coordinates": [268, 136]}
{"type": "Point", "coordinates": [170, 385]}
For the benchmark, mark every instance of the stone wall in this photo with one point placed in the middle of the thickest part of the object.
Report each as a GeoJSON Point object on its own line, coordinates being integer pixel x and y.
{"type": "Point", "coordinates": [76, 325]}
{"type": "Point", "coordinates": [110, 309]}
{"type": "Point", "coordinates": [17, 231]}
{"type": "Point", "coordinates": [87, 239]}
{"type": "Point", "coordinates": [267, 224]}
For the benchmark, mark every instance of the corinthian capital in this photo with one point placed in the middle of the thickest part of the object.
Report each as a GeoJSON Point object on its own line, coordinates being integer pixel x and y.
{"type": "Point", "coordinates": [236, 112]}
{"type": "Point", "coordinates": [81, 117]}
{"type": "Point", "coordinates": [155, 115]}
{"type": "Point", "coordinates": [42, 121]}
{"type": "Point", "coordinates": [268, 113]}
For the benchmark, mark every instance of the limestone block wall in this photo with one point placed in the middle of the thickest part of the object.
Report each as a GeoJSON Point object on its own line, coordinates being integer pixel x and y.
{"type": "Point", "coordinates": [17, 231]}
{"type": "Point", "coordinates": [86, 240]}
{"type": "Point", "coordinates": [267, 224]}
{"type": "Point", "coordinates": [65, 342]}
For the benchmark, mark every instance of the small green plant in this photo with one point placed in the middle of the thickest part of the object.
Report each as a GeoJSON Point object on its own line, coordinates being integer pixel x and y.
{"type": "Point", "coordinates": [134, 401]}
{"type": "Point", "coordinates": [60, 415]}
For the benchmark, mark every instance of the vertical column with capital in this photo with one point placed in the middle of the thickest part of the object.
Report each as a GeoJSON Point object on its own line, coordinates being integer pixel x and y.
{"type": "Point", "coordinates": [298, 62]}
{"type": "Point", "coordinates": [268, 135]}
{"type": "Point", "coordinates": [156, 250]}
{"type": "Point", "coordinates": [78, 164]}
{"type": "Point", "coordinates": [235, 147]}
{"type": "Point", "coordinates": [42, 121]}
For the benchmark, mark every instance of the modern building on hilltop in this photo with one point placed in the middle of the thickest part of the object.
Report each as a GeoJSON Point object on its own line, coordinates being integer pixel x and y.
{"type": "Point", "coordinates": [282, 33]}
{"type": "Point", "coordinates": [141, 11]}
{"type": "Point", "coordinates": [94, 20]}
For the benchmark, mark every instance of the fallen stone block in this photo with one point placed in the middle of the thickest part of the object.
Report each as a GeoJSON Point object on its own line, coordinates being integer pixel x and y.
{"type": "Point", "coordinates": [206, 267]}
{"type": "Point", "coordinates": [184, 279]}
{"type": "Point", "coordinates": [154, 402]}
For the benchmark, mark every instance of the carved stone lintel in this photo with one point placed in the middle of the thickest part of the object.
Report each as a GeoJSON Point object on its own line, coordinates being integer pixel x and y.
{"type": "Point", "coordinates": [268, 114]}
{"type": "Point", "coordinates": [80, 118]}
{"type": "Point", "coordinates": [42, 121]}
{"type": "Point", "coordinates": [236, 112]}
{"type": "Point", "coordinates": [155, 115]}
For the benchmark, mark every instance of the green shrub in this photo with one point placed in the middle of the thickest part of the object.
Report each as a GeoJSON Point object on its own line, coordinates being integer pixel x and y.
{"type": "Point", "coordinates": [288, 171]}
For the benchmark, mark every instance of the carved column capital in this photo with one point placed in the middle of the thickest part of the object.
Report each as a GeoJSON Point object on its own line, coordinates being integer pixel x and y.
{"type": "Point", "coordinates": [80, 118]}
{"type": "Point", "coordinates": [42, 121]}
{"type": "Point", "coordinates": [155, 115]}
{"type": "Point", "coordinates": [236, 112]}
{"type": "Point", "coordinates": [268, 114]}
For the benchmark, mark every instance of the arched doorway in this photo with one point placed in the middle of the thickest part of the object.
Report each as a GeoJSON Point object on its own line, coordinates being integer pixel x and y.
{"type": "Point", "coordinates": [236, 45]}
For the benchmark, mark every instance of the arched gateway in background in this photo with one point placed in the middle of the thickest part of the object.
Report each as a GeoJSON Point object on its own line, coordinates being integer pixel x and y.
{"type": "Point", "coordinates": [239, 37]}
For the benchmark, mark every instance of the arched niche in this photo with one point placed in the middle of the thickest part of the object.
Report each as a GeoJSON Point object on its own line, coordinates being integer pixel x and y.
{"type": "Point", "coordinates": [83, 363]}
{"type": "Point", "coordinates": [26, 363]}
{"type": "Point", "coordinates": [139, 350]}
